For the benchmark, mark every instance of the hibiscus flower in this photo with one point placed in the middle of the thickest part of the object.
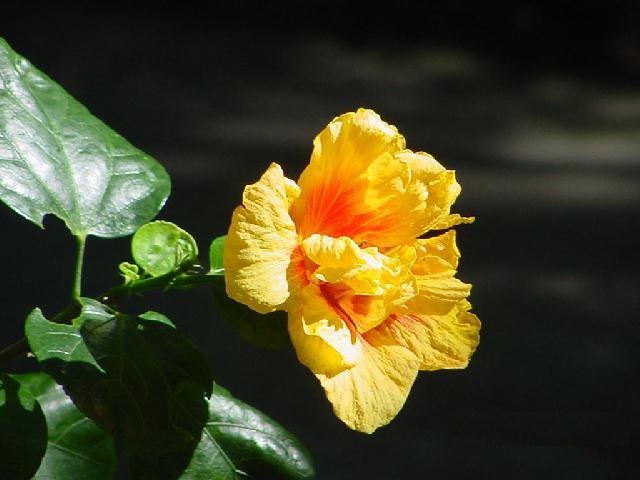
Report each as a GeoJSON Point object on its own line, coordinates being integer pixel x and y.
{"type": "Point", "coordinates": [369, 302]}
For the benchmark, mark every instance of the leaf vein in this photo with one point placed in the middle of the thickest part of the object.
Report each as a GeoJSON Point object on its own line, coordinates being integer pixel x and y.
{"type": "Point", "coordinates": [224, 455]}
{"type": "Point", "coordinates": [78, 455]}
{"type": "Point", "coordinates": [49, 128]}
{"type": "Point", "coordinates": [56, 137]}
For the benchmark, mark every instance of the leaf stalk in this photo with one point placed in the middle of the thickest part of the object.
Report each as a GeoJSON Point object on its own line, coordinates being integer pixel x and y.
{"type": "Point", "coordinates": [77, 280]}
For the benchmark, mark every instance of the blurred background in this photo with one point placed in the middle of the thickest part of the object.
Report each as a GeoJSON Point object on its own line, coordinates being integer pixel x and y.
{"type": "Point", "coordinates": [536, 105]}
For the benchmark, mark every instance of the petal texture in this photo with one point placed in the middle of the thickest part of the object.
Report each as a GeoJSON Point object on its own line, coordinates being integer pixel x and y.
{"type": "Point", "coordinates": [434, 270]}
{"type": "Point", "coordinates": [369, 302]}
{"type": "Point", "coordinates": [365, 271]}
{"type": "Point", "coordinates": [362, 183]}
{"type": "Point", "coordinates": [370, 394]}
{"type": "Point", "coordinates": [439, 341]}
{"type": "Point", "coordinates": [334, 183]}
{"type": "Point", "coordinates": [260, 243]}
{"type": "Point", "coordinates": [322, 339]}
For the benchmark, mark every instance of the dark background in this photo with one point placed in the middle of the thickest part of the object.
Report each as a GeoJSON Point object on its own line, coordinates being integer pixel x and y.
{"type": "Point", "coordinates": [537, 107]}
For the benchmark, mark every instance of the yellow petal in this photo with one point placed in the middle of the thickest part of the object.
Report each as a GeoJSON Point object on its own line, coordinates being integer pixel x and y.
{"type": "Point", "coordinates": [448, 221]}
{"type": "Point", "coordinates": [363, 184]}
{"type": "Point", "coordinates": [333, 184]}
{"type": "Point", "coordinates": [408, 194]}
{"type": "Point", "coordinates": [370, 394]}
{"type": "Point", "coordinates": [366, 271]}
{"type": "Point", "coordinates": [322, 339]}
{"type": "Point", "coordinates": [442, 247]}
{"type": "Point", "coordinates": [364, 311]}
{"type": "Point", "coordinates": [347, 146]}
{"type": "Point", "coordinates": [434, 270]}
{"type": "Point", "coordinates": [437, 294]}
{"type": "Point", "coordinates": [260, 243]}
{"type": "Point", "coordinates": [439, 341]}
{"type": "Point", "coordinates": [362, 283]}
{"type": "Point", "coordinates": [402, 198]}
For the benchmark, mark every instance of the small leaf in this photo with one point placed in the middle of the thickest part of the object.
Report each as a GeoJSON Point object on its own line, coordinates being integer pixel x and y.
{"type": "Point", "coordinates": [268, 330]}
{"type": "Point", "coordinates": [157, 317]}
{"type": "Point", "coordinates": [130, 272]}
{"type": "Point", "coordinates": [162, 247]}
{"type": "Point", "coordinates": [216, 251]}
{"type": "Point", "coordinates": [77, 447]}
{"type": "Point", "coordinates": [240, 441]}
{"type": "Point", "coordinates": [138, 378]}
{"type": "Point", "coordinates": [55, 157]}
{"type": "Point", "coordinates": [56, 341]}
{"type": "Point", "coordinates": [23, 431]}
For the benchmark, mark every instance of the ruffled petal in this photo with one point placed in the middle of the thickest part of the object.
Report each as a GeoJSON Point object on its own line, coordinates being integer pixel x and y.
{"type": "Point", "coordinates": [408, 194]}
{"type": "Point", "coordinates": [371, 393]}
{"type": "Point", "coordinates": [451, 220]}
{"type": "Point", "coordinates": [434, 270]}
{"type": "Point", "coordinates": [334, 183]}
{"type": "Point", "coordinates": [365, 270]}
{"type": "Point", "coordinates": [439, 341]}
{"type": "Point", "coordinates": [363, 284]}
{"type": "Point", "coordinates": [260, 243]}
{"type": "Point", "coordinates": [437, 294]}
{"type": "Point", "coordinates": [363, 184]}
{"type": "Point", "coordinates": [442, 247]}
{"type": "Point", "coordinates": [322, 339]}
{"type": "Point", "coordinates": [401, 198]}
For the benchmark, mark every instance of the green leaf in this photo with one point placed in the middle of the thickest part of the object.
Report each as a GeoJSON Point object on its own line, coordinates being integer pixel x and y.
{"type": "Point", "coordinates": [129, 271]}
{"type": "Point", "coordinates": [162, 247]}
{"type": "Point", "coordinates": [55, 157]}
{"type": "Point", "coordinates": [77, 447]}
{"type": "Point", "coordinates": [216, 251]}
{"type": "Point", "coordinates": [268, 330]}
{"type": "Point", "coordinates": [240, 441]}
{"type": "Point", "coordinates": [23, 431]}
{"type": "Point", "coordinates": [138, 378]}
{"type": "Point", "coordinates": [157, 317]}
{"type": "Point", "coordinates": [58, 342]}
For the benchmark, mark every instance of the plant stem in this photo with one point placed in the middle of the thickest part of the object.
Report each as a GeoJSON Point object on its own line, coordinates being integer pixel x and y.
{"type": "Point", "coordinates": [77, 282]}
{"type": "Point", "coordinates": [15, 351]}
{"type": "Point", "coordinates": [20, 348]}
{"type": "Point", "coordinates": [163, 282]}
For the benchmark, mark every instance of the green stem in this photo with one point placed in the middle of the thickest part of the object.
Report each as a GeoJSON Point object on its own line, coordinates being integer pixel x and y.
{"type": "Point", "coordinates": [15, 351]}
{"type": "Point", "coordinates": [19, 349]}
{"type": "Point", "coordinates": [163, 282]}
{"type": "Point", "coordinates": [77, 283]}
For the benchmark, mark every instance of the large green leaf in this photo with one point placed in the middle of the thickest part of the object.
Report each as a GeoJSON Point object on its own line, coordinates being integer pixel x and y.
{"type": "Point", "coordinates": [264, 330]}
{"type": "Point", "coordinates": [77, 447]}
{"type": "Point", "coordinates": [136, 377]}
{"type": "Point", "coordinates": [23, 431]}
{"type": "Point", "coordinates": [55, 157]}
{"type": "Point", "coordinates": [240, 441]}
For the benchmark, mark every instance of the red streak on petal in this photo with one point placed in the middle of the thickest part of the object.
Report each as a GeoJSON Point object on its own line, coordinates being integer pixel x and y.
{"type": "Point", "coordinates": [331, 295]}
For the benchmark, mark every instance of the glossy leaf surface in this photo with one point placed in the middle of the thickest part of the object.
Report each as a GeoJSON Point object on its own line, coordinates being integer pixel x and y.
{"type": "Point", "coordinates": [137, 377]}
{"type": "Point", "coordinates": [216, 251]}
{"type": "Point", "coordinates": [56, 157]}
{"type": "Point", "coordinates": [240, 441]}
{"type": "Point", "coordinates": [77, 447]}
